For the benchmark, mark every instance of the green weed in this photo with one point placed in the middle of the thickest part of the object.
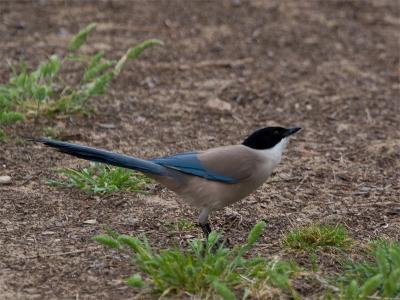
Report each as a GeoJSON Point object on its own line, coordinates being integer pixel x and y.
{"type": "Point", "coordinates": [205, 269]}
{"type": "Point", "coordinates": [100, 178]}
{"type": "Point", "coordinates": [52, 132]}
{"type": "Point", "coordinates": [3, 136]}
{"type": "Point", "coordinates": [181, 224]}
{"type": "Point", "coordinates": [9, 117]}
{"type": "Point", "coordinates": [377, 276]}
{"type": "Point", "coordinates": [30, 93]}
{"type": "Point", "coordinates": [315, 237]}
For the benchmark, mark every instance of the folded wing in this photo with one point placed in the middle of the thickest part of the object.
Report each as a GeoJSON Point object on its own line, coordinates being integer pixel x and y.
{"type": "Point", "coordinates": [229, 164]}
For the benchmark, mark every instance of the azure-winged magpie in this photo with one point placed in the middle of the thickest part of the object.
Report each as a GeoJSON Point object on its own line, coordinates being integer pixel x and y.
{"type": "Point", "coordinates": [208, 180]}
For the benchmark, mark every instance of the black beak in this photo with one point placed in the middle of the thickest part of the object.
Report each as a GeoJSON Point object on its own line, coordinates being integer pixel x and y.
{"type": "Point", "coordinates": [291, 131]}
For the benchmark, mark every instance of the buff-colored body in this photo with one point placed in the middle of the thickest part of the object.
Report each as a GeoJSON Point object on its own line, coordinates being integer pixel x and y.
{"type": "Point", "coordinates": [250, 167]}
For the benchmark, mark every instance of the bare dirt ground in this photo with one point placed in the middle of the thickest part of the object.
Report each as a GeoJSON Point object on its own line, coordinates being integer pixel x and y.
{"type": "Point", "coordinates": [331, 67]}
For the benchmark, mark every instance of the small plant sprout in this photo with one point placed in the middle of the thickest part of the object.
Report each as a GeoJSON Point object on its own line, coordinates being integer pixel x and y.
{"type": "Point", "coordinates": [100, 178]}
{"type": "Point", "coordinates": [52, 132]}
{"type": "Point", "coordinates": [181, 224]}
{"type": "Point", "coordinates": [205, 270]}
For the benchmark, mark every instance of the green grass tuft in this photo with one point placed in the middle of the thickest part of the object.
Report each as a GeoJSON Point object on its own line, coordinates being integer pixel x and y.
{"type": "Point", "coordinates": [52, 132]}
{"type": "Point", "coordinates": [181, 224]}
{"type": "Point", "coordinates": [100, 178]}
{"type": "Point", "coordinates": [316, 237]}
{"type": "Point", "coordinates": [10, 117]}
{"type": "Point", "coordinates": [205, 270]}
{"type": "Point", "coordinates": [3, 136]}
{"type": "Point", "coordinates": [377, 275]}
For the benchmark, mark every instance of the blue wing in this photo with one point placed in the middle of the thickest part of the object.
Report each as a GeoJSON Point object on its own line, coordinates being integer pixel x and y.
{"type": "Point", "coordinates": [188, 163]}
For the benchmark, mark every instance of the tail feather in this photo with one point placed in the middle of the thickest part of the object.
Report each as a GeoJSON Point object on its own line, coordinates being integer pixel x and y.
{"type": "Point", "coordinates": [103, 156]}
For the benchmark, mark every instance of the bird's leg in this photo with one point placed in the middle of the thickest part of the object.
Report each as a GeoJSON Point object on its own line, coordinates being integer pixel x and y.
{"type": "Point", "coordinates": [203, 222]}
{"type": "Point", "coordinates": [205, 226]}
{"type": "Point", "coordinates": [206, 229]}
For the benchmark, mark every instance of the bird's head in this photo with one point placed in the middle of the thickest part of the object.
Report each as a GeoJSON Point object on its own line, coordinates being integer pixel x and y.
{"type": "Point", "coordinates": [269, 137]}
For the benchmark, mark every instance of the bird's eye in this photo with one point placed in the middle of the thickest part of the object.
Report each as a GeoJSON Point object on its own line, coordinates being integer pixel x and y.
{"type": "Point", "coordinates": [275, 132]}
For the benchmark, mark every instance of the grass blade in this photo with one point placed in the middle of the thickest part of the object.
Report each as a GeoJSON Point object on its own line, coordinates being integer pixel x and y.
{"type": "Point", "coordinates": [107, 241]}
{"type": "Point", "coordinates": [224, 291]}
{"type": "Point", "coordinates": [79, 39]}
{"type": "Point", "coordinates": [134, 53]}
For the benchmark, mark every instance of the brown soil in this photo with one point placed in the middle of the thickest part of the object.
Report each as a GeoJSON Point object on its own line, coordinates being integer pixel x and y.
{"type": "Point", "coordinates": [331, 67]}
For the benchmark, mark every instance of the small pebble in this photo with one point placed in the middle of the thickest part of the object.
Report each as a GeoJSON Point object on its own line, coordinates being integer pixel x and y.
{"type": "Point", "coordinates": [217, 104]}
{"type": "Point", "coordinates": [48, 232]}
{"type": "Point", "coordinates": [107, 125]}
{"type": "Point", "coordinates": [91, 222]}
{"type": "Point", "coordinates": [5, 179]}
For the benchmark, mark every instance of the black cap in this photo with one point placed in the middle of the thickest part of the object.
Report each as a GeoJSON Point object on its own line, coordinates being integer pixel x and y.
{"type": "Point", "coordinates": [268, 137]}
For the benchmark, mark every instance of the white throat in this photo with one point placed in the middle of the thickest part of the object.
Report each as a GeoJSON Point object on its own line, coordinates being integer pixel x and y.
{"type": "Point", "coordinates": [275, 153]}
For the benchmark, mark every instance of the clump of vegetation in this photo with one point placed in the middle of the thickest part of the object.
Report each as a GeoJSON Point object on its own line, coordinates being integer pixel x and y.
{"type": "Point", "coordinates": [181, 224]}
{"type": "Point", "coordinates": [52, 132]}
{"type": "Point", "coordinates": [377, 276]}
{"type": "Point", "coordinates": [101, 178]}
{"type": "Point", "coordinates": [184, 224]}
{"type": "Point", "coordinates": [208, 270]}
{"type": "Point", "coordinates": [3, 136]}
{"type": "Point", "coordinates": [30, 93]}
{"type": "Point", "coordinates": [205, 269]}
{"type": "Point", "coordinates": [317, 236]}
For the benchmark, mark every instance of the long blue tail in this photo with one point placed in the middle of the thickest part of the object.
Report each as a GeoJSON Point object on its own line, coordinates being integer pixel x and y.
{"type": "Point", "coordinates": [103, 156]}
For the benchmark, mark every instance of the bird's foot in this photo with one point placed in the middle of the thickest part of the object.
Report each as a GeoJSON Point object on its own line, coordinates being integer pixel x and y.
{"type": "Point", "coordinates": [221, 242]}
{"type": "Point", "coordinates": [206, 229]}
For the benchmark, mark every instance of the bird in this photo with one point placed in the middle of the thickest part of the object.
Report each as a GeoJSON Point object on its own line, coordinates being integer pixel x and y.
{"type": "Point", "coordinates": [208, 180]}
